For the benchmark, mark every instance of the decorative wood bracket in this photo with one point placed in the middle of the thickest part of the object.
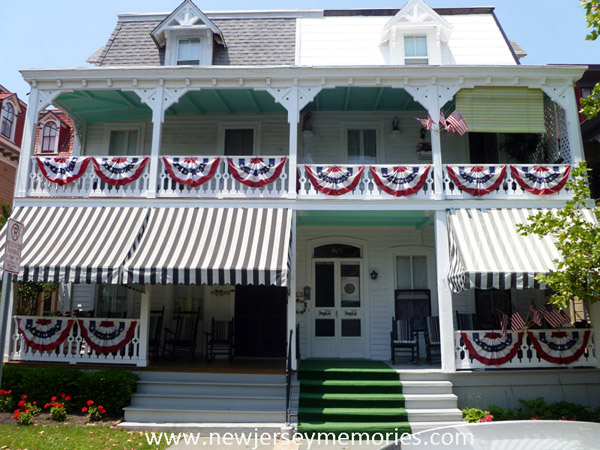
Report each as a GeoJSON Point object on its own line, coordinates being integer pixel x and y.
{"type": "Point", "coordinates": [45, 99]}
{"type": "Point", "coordinates": [294, 98]}
{"type": "Point", "coordinates": [432, 97]}
{"type": "Point", "coordinates": [558, 94]}
{"type": "Point", "coordinates": [160, 99]}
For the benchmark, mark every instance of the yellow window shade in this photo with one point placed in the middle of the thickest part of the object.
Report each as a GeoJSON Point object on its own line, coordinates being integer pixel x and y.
{"type": "Point", "coordinates": [502, 109]}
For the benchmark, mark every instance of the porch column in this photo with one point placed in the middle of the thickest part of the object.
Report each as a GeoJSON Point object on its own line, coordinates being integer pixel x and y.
{"type": "Point", "coordinates": [445, 310]}
{"type": "Point", "coordinates": [291, 305]}
{"type": "Point", "coordinates": [159, 100]}
{"type": "Point", "coordinates": [573, 127]}
{"type": "Point", "coordinates": [436, 156]}
{"type": "Point", "coordinates": [595, 319]}
{"type": "Point", "coordinates": [144, 326]}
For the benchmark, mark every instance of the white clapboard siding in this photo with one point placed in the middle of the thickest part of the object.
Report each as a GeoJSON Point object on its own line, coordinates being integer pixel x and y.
{"type": "Point", "coordinates": [476, 39]}
{"type": "Point", "coordinates": [96, 144]}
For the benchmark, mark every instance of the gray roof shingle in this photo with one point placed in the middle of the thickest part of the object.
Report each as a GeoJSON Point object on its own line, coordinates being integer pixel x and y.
{"type": "Point", "coordinates": [256, 41]}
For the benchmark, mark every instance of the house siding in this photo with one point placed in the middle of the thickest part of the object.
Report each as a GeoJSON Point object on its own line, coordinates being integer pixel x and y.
{"type": "Point", "coordinates": [8, 174]}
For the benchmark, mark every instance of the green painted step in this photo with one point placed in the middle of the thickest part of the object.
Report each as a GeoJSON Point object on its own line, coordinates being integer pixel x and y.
{"type": "Point", "coordinates": [345, 370]}
{"type": "Point", "coordinates": [352, 414]}
{"type": "Point", "coordinates": [311, 428]}
{"type": "Point", "coordinates": [351, 386]}
{"type": "Point", "coordinates": [341, 400]}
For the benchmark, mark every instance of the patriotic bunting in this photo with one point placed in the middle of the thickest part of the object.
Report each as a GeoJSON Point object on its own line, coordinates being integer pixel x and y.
{"type": "Point", "coordinates": [541, 180]}
{"type": "Point", "coordinates": [334, 180]}
{"type": "Point", "coordinates": [63, 170]}
{"type": "Point", "coordinates": [107, 336]}
{"type": "Point", "coordinates": [119, 171]}
{"type": "Point", "coordinates": [560, 347]}
{"type": "Point", "coordinates": [477, 180]}
{"type": "Point", "coordinates": [192, 171]}
{"type": "Point", "coordinates": [44, 334]}
{"type": "Point", "coordinates": [256, 172]}
{"type": "Point", "coordinates": [400, 181]}
{"type": "Point", "coordinates": [492, 349]}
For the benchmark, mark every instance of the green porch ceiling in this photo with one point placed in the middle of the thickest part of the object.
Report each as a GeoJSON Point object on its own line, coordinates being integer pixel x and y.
{"type": "Point", "coordinates": [363, 99]}
{"type": "Point", "coordinates": [225, 101]}
{"type": "Point", "coordinates": [103, 106]}
{"type": "Point", "coordinates": [417, 219]}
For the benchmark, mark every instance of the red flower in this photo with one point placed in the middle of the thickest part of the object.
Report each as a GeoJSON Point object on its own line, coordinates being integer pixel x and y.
{"type": "Point", "coordinates": [26, 410]}
{"type": "Point", "coordinates": [24, 397]}
{"type": "Point", "coordinates": [90, 402]}
{"type": "Point", "coordinates": [53, 399]}
{"type": "Point", "coordinates": [572, 420]}
{"type": "Point", "coordinates": [535, 418]}
{"type": "Point", "coordinates": [16, 414]}
{"type": "Point", "coordinates": [62, 395]}
{"type": "Point", "coordinates": [68, 398]}
{"type": "Point", "coordinates": [46, 405]}
{"type": "Point", "coordinates": [563, 418]}
{"type": "Point", "coordinates": [35, 403]}
{"type": "Point", "coordinates": [9, 391]}
{"type": "Point", "coordinates": [84, 409]}
{"type": "Point", "coordinates": [60, 405]}
{"type": "Point", "coordinates": [2, 392]}
{"type": "Point", "coordinates": [488, 418]}
{"type": "Point", "coordinates": [21, 403]}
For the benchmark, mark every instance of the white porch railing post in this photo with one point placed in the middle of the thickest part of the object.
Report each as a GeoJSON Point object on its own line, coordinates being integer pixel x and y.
{"type": "Point", "coordinates": [445, 310]}
{"type": "Point", "coordinates": [291, 306]}
{"type": "Point", "coordinates": [144, 326]}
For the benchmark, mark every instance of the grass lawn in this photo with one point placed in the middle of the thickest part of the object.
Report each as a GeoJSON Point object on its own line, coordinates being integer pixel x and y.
{"type": "Point", "coordinates": [71, 437]}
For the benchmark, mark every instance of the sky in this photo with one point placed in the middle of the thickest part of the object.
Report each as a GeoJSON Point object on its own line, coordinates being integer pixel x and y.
{"type": "Point", "coordinates": [64, 33]}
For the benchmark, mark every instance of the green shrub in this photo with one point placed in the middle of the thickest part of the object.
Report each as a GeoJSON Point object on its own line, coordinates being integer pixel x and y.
{"type": "Point", "coordinates": [7, 401]}
{"type": "Point", "coordinates": [539, 409]}
{"type": "Point", "coordinates": [474, 415]}
{"type": "Point", "coordinates": [111, 388]}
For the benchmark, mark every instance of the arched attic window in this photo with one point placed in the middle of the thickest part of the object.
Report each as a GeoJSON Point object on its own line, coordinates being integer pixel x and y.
{"type": "Point", "coordinates": [8, 119]}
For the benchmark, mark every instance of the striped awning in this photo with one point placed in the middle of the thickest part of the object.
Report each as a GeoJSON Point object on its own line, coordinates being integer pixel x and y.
{"type": "Point", "coordinates": [79, 244]}
{"type": "Point", "coordinates": [487, 251]}
{"type": "Point", "coordinates": [213, 246]}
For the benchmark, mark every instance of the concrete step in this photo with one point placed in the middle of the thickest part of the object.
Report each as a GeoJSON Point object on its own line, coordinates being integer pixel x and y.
{"type": "Point", "coordinates": [424, 426]}
{"type": "Point", "coordinates": [421, 375]}
{"type": "Point", "coordinates": [416, 415]}
{"type": "Point", "coordinates": [231, 403]}
{"type": "Point", "coordinates": [427, 387]}
{"type": "Point", "coordinates": [211, 388]}
{"type": "Point", "coordinates": [205, 429]}
{"type": "Point", "coordinates": [436, 401]}
{"type": "Point", "coordinates": [185, 415]}
{"type": "Point", "coordinates": [214, 377]}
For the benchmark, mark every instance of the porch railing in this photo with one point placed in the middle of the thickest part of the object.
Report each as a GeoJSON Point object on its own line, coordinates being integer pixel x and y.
{"type": "Point", "coordinates": [485, 349]}
{"type": "Point", "coordinates": [74, 348]}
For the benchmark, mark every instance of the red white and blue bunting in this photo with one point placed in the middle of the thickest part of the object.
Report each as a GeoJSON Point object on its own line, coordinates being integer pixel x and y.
{"type": "Point", "coordinates": [63, 170]}
{"type": "Point", "coordinates": [107, 336]}
{"type": "Point", "coordinates": [477, 180]}
{"type": "Point", "coordinates": [334, 180]}
{"type": "Point", "coordinates": [492, 349]}
{"type": "Point", "coordinates": [192, 171]}
{"type": "Point", "coordinates": [120, 171]}
{"type": "Point", "coordinates": [560, 347]}
{"type": "Point", "coordinates": [44, 334]}
{"type": "Point", "coordinates": [400, 181]}
{"type": "Point", "coordinates": [256, 172]}
{"type": "Point", "coordinates": [541, 180]}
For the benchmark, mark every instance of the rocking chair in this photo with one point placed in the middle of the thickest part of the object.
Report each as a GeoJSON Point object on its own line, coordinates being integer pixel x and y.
{"type": "Point", "coordinates": [404, 338]}
{"type": "Point", "coordinates": [185, 335]}
{"type": "Point", "coordinates": [220, 339]}
{"type": "Point", "coordinates": [432, 336]}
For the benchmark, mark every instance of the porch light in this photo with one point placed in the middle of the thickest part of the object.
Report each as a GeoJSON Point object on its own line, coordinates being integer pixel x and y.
{"type": "Point", "coordinates": [374, 275]}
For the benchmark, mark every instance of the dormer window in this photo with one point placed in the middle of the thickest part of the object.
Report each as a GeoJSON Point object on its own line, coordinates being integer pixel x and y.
{"type": "Point", "coordinates": [8, 120]}
{"type": "Point", "coordinates": [189, 51]}
{"type": "Point", "coordinates": [415, 50]}
{"type": "Point", "coordinates": [49, 138]}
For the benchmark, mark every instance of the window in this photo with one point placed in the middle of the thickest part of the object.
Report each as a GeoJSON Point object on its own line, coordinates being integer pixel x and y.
{"type": "Point", "coordinates": [239, 142]}
{"type": "Point", "coordinates": [489, 304]}
{"type": "Point", "coordinates": [112, 301]}
{"type": "Point", "coordinates": [8, 118]}
{"type": "Point", "coordinates": [415, 50]}
{"type": "Point", "coordinates": [411, 272]}
{"type": "Point", "coordinates": [362, 146]}
{"type": "Point", "coordinates": [49, 138]}
{"type": "Point", "coordinates": [189, 52]}
{"type": "Point", "coordinates": [123, 142]}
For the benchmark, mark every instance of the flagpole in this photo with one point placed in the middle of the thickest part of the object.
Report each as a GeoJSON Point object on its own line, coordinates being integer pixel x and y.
{"type": "Point", "coordinates": [5, 302]}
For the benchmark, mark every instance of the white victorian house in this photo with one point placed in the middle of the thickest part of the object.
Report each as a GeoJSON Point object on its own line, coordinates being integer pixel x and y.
{"type": "Point", "coordinates": [264, 175]}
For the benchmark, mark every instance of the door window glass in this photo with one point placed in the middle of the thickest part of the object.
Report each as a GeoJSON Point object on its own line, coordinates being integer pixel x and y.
{"type": "Point", "coordinates": [324, 289]}
{"type": "Point", "coordinates": [325, 327]}
{"type": "Point", "coordinates": [350, 284]}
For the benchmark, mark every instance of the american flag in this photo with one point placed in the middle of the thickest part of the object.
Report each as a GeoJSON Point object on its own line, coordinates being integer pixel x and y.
{"type": "Point", "coordinates": [427, 123]}
{"type": "Point", "coordinates": [504, 325]}
{"type": "Point", "coordinates": [456, 124]}
{"type": "Point", "coordinates": [535, 315]}
{"type": "Point", "coordinates": [443, 122]}
{"type": "Point", "coordinates": [554, 317]}
{"type": "Point", "coordinates": [516, 321]}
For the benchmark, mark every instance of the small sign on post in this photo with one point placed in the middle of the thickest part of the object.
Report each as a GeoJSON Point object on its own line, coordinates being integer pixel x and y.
{"type": "Point", "coordinates": [14, 246]}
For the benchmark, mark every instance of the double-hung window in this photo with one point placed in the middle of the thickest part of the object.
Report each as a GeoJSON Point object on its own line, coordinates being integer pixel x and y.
{"type": "Point", "coordinates": [8, 119]}
{"type": "Point", "coordinates": [189, 51]}
{"type": "Point", "coordinates": [362, 146]}
{"type": "Point", "coordinates": [49, 138]}
{"type": "Point", "coordinates": [123, 143]}
{"type": "Point", "coordinates": [415, 50]}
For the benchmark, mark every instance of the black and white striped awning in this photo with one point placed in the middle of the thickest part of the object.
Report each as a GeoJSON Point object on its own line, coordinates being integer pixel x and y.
{"type": "Point", "coordinates": [487, 251]}
{"type": "Point", "coordinates": [213, 246]}
{"type": "Point", "coordinates": [79, 244]}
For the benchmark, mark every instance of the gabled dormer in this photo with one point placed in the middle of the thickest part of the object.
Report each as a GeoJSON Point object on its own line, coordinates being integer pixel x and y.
{"type": "Point", "coordinates": [416, 35]}
{"type": "Point", "coordinates": [187, 36]}
{"type": "Point", "coordinates": [11, 108]}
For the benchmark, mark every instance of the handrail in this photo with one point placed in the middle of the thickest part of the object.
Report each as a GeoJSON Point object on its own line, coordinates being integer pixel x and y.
{"type": "Point", "coordinates": [288, 379]}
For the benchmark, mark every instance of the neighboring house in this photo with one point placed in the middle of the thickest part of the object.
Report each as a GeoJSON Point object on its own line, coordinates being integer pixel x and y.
{"type": "Point", "coordinates": [590, 129]}
{"type": "Point", "coordinates": [12, 119]}
{"type": "Point", "coordinates": [55, 136]}
{"type": "Point", "coordinates": [266, 169]}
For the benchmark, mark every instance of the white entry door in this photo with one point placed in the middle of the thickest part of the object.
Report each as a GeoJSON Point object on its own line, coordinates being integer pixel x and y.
{"type": "Point", "coordinates": [337, 315]}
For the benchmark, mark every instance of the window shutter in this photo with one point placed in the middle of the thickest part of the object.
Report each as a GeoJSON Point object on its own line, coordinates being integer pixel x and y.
{"type": "Point", "coordinates": [502, 109]}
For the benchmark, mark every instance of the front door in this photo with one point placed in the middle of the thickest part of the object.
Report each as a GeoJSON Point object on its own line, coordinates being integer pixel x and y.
{"type": "Point", "coordinates": [337, 316]}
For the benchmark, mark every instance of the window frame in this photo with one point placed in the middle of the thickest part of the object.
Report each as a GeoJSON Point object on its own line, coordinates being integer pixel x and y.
{"type": "Point", "coordinates": [140, 127]}
{"type": "Point", "coordinates": [3, 119]}
{"type": "Point", "coordinates": [256, 141]}
{"type": "Point", "coordinates": [379, 140]}
{"type": "Point", "coordinates": [418, 59]}
{"type": "Point", "coordinates": [41, 137]}
{"type": "Point", "coordinates": [188, 38]}
{"type": "Point", "coordinates": [201, 32]}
